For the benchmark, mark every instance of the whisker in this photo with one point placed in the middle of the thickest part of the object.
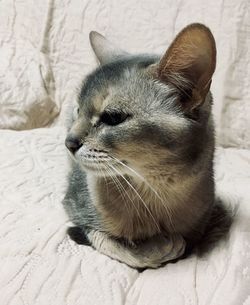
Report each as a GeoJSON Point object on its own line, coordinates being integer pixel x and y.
{"type": "Point", "coordinates": [138, 175]}
{"type": "Point", "coordinates": [168, 210]}
{"type": "Point", "coordinates": [117, 185]}
{"type": "Point", "coordinates": [120, 174]}
{"type": "Point", "coordinates": [106, 183]}
{"type": "Point", "coordinates": [125, 191]}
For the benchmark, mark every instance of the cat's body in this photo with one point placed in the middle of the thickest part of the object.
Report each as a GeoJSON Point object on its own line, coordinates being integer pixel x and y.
{"type": "Point", "coordinates": [142, 185]}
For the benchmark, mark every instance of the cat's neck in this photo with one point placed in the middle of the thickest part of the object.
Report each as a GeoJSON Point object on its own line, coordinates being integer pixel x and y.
{"type": "Point", "coordinates": [135, 208]}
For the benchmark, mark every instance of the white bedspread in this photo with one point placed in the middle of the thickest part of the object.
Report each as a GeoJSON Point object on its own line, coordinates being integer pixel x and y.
{"type": "Point", "coordinates": [41, 265]}
{"type": "Point", "coordinates": [44, 55]}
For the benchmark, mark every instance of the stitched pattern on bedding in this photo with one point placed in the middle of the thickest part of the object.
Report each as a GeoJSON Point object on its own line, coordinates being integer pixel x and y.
{"type": "Point", "coordinates": [41, 265]}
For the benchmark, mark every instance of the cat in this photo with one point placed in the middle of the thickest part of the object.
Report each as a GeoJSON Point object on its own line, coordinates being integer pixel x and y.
{"type": "Point", "coordinates": [141, 187]}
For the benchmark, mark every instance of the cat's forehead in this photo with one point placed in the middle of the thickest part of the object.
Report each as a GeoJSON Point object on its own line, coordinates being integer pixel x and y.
{"type": "Point", "coordinates": [122, 85]}
{"type": "Point", "coordinates": [109, 96]}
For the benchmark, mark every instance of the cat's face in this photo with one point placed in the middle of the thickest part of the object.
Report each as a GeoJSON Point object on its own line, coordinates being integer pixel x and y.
{"type": "Point", "coordinates": [132, 116]}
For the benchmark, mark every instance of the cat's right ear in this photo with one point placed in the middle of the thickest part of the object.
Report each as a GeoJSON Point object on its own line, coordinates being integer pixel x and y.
{"type": "Point", "coordinates": [105, 51]}
{"type": "Point", "coordinates": [189, 64]}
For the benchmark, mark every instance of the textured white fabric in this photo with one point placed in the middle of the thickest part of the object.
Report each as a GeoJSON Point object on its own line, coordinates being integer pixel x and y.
{"type": "Point", "coordinates": [45, 53]}
{"type": "Point", "coordinates": [150, 26]}
{"type": "Point", "coordinates": [26, 78]}
{"type": "Point", "coordinates": [41, 265]}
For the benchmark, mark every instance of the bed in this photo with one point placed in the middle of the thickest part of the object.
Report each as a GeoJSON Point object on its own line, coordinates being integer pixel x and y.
{"type": "Point", "coordinates": [44, 56]}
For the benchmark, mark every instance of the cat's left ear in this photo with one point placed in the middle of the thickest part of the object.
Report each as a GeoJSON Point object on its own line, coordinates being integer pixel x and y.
{"type": "Point", "coordinates": [189, 64]}
{"type": "Point", "coordinates": [105, 51]}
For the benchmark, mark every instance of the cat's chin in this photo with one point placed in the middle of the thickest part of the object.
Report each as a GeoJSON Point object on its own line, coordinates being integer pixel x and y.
{"type": "Point", "coordinates": [99, 170]}
{"type": "Point", "coordinates": [92, 168]}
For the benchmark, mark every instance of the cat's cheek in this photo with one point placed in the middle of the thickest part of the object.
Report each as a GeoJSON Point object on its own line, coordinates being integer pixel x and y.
{"type": "Point", "coordinates": [108, 141]}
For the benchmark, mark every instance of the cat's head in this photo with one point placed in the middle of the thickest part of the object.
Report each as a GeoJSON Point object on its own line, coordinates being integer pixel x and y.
{"type": "Point", "coordinates": [145, 113]}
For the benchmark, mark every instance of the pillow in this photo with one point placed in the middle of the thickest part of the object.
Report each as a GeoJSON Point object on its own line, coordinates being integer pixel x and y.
{"type": "Point", "coordinates": [26, 87]}
{"type": "Point", "coordinates": [26, 81]}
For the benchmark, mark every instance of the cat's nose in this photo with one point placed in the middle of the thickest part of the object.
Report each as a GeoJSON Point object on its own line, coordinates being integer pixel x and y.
{"type": "Point", "coordinates": [73, 143]}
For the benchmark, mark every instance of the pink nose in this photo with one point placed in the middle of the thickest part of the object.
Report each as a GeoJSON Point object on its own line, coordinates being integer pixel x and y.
{"type": "Point", "coordinates": [72, 143]}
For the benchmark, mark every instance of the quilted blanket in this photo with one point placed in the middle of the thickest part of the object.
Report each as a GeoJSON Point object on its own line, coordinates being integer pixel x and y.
{"type": "Point", "coordinates": [44, 55]}
{"type": "Point", "coordinates": [41, 265]}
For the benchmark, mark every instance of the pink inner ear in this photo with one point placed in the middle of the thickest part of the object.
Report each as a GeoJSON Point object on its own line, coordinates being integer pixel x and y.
{"type": "Point", "coordinates": [190, 60]}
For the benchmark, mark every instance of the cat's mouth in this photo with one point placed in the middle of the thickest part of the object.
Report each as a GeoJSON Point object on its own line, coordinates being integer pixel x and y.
{"type": "Point", "coordinates": [95, 161]}
{"type": "Point", "coordinates": [98, 162]}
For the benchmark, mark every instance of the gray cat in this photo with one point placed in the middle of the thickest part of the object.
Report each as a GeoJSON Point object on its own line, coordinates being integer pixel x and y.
{"type": "Point", "coordinates": [141, 188]}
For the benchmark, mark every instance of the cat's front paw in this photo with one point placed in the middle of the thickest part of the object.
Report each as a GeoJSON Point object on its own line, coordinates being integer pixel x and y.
{"type": "Point", "coordinates": [160, 249]}
{"type": "Point", "coordinates": [175, 248]}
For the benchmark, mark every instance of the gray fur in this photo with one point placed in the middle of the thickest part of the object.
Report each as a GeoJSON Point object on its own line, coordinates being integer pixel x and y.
{"type": "Point", "coordinates": [169, 149]}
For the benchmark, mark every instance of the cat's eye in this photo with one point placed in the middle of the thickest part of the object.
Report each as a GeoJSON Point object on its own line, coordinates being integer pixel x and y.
{"type": "Point", "coordinates": [113, 118]}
